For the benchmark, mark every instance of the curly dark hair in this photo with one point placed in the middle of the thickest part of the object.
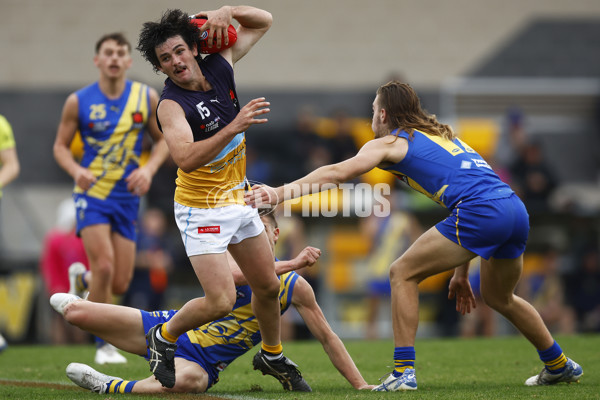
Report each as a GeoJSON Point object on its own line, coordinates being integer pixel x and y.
{"type": "Point", "coordinates": [172, 23]}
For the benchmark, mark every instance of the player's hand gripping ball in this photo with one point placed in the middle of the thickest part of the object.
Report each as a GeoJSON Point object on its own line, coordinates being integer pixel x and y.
{"type": "Point", "coordinates": [204, 48]}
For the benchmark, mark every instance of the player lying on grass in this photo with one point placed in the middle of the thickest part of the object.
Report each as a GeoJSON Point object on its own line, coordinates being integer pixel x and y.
{"type": "Point", "coordinates": [204, 352]}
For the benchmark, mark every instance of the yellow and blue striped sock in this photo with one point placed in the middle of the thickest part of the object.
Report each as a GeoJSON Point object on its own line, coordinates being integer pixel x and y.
{"type": "Point", "coordinates": [404, 357]}
{"type": "Point", "coordinates": [80, 283]}
{"type": "Point", "coordinates": [120, 386]}
{"type": "Point", "coordinates": [554, 359]}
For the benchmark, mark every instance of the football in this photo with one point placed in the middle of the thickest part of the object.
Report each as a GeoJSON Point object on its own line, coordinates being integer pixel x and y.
{"type": "Point", "coordinates": [204, 49]}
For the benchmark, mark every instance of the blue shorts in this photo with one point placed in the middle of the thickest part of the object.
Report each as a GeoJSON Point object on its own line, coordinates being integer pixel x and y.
{"type": "Point", "coordinates": [185, 349]}
{"type": "Point", "coordinates": [490, 228]}
{"type": "Point", "coordinates": [380, 287]}
{"type": "Point", "coordinates": [122, 216]}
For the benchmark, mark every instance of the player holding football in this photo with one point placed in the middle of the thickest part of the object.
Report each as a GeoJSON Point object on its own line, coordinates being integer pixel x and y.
{"type": "Point", "coordinates": [112, 116]}
{"type": "Point", "coordinates": [204, 127]}
{"type": "Point", "coordinates": [204, 352]}
{"type": "Point", "coordinates": [487, 219]}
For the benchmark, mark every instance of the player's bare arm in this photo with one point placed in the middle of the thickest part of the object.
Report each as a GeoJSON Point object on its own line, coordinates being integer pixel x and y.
{"type": "Point", "coordinates": [62, 153]}
{"type": "Point", "coordinates": [305, 302]}
{"type": "Point", "coordinates": [190, 155]}
{"type": "Point", "coordinates": [254, 23]}
{"type": "Point", "coordinates": [10, 169]}
{"type": "Point", "coordinates": [140, 179]}
{"type": "Point", "coordinates": [307, 258]}
{"type": "Point", "coordinates": [371, 155]}
{"type": "Point", "coordinates": [460, 288]}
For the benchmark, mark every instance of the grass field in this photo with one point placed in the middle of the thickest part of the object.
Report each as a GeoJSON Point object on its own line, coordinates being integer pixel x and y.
{"type": "Point", "coordinates": [446, 369]}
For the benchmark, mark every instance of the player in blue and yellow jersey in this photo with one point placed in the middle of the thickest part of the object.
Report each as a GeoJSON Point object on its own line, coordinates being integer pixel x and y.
{"type": "Point", "coordinates": [486, 219]}
{"type": "Point", "coordinates": [9, 168]}
{"type": "Point", "coordinates": [9, 161]}
{"type": "Point", "coordinates": [204, 126]}
{"type": "Point", "coordinates": [204, 352]}
{"type": "Point", "coordinates": [112, 116]}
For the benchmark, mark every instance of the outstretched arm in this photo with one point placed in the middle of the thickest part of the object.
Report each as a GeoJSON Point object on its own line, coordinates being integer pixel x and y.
{"type": "Point", "coordinates": [372, 154]}
{"type": "Point", "coordinates": [307, 258]}
{"type": "Point", "coordinates": [303, 298]}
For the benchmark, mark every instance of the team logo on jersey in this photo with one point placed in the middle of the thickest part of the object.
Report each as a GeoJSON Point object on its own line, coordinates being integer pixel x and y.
{"type": "Point", "coordinates": [236, 104]}
{"type": "Point", "coordinates": [138, 120]}
{"type": "Point", "coordinates": [99, 126]}
{"type": "Point", "coordinates": [211, 126]}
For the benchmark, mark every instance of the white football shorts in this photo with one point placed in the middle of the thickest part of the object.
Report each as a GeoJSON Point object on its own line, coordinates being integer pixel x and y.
{"type": "Point", "coordinates": [211, 230]}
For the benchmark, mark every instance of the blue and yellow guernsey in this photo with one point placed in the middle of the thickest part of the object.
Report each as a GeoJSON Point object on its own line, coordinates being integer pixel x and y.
{"type": "Point", "coordinates": [447, 171]}
{"type": "Point", "coordinates": [221, 182]}
{"type": "Point", "coordinates": [222, 341]}
{"type": "Point", "coordinates": [112, 132]}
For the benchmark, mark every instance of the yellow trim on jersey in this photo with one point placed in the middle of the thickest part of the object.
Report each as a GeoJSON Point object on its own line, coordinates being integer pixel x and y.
{"type": "Point", "coordinates": [116, 152]}
{"type": "Point", "coordinates": [444, 143]}
{"type": "Point", "coordinates": [218, 184]}
{"type": "Point", "coordinates": [232, 330]}
{"type": "Point", "coordinates": [413, 184]}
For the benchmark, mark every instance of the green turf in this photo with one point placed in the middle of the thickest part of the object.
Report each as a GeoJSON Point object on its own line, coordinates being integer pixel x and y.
{"type": "Point", "coordinates": [446, 369]}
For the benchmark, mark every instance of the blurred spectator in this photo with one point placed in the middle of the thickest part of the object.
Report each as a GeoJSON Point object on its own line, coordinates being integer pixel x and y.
{"type": "Point", "coordinates": [309, 148]}
{"type": "Point", "coordinates": [341, 144]}
{"type": "Point", "coordinates": [390, 236]}
{"type": "Point", "coordinates": [530, 175]}
{"type": "Point", "coordinates": [257, 168]}
{"type": "Point", "coordinates": [62, 247]}
{"type": "Point", "coordinates": [153, 263]}
{"type": "Point", "coordinates": [160, 194]}
{"type": "Point", "coordinates": [544, 288]}
{"type": "Point", "coordinates": [583, 290]}
{"type": "Point", "coordinates": [532, 178]}
{"type": "Point", "coordinates": [9, 169]}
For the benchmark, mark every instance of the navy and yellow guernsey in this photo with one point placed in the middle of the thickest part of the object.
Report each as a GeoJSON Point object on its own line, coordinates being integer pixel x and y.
{"type": "Point", "coordinates": [446, 171]}
{"type": "Point", "coordinates": [221, 182]}
{"type": "Point", "coordinates": [112, 132]}
{"type": "Point", "coordinates": [216, 344]}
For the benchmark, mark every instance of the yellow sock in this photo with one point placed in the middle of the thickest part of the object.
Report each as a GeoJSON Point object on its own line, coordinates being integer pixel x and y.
{"type": "Point", "coordinates": [273, 349]}
{"type": "Point", "coordinates": [166, 335]}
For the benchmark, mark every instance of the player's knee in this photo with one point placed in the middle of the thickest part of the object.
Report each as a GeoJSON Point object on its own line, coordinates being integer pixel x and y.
{"type": "Point", "coordinates": [267, 289]}
{"type": "Point", "coordinates": [496, 302]}
{"type": "Point", "coordinates": [222, 304]}
{"type": "Point", "coordinates": [191, 382]}
{"type": "Point", "coordinates": [103, 269]}
{"type": "Point", "coordinates": [120, 285]}
{"type": "Point", "coordinates": [399, 271]}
